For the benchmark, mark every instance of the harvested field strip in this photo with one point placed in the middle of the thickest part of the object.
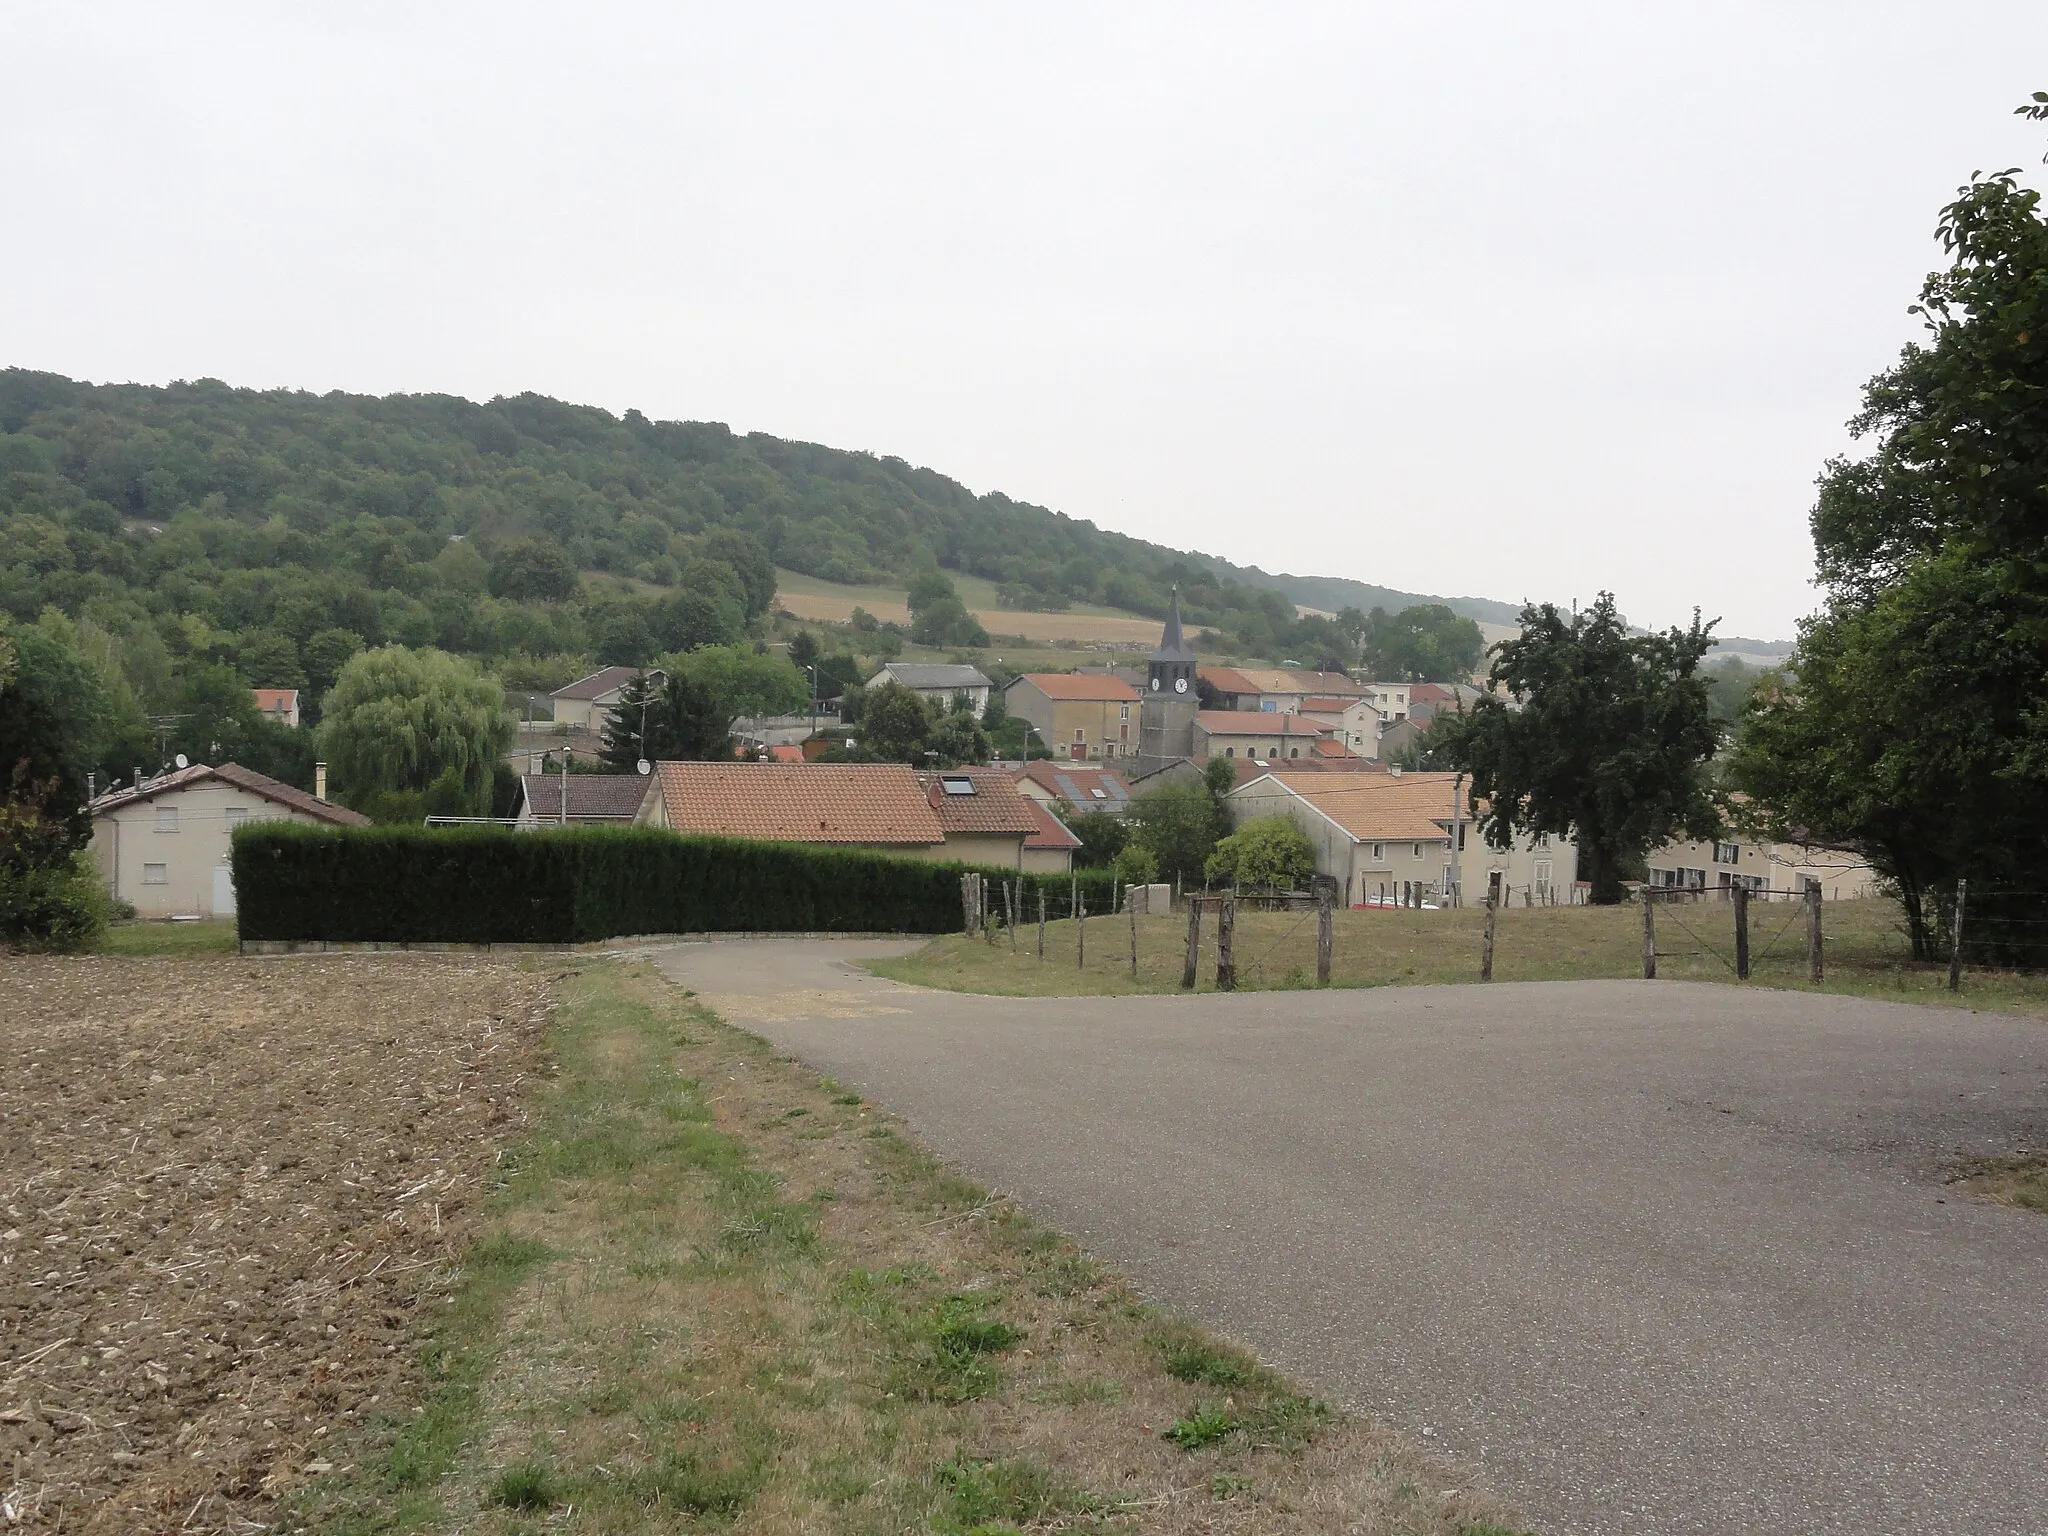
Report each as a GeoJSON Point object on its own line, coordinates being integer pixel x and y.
{"type": "Point", "coordinates": [222, 1184]}
{"type": "Point", "coordinates": [1866, 948]}
{"type": "Point", "coordinates": [725, 1292]}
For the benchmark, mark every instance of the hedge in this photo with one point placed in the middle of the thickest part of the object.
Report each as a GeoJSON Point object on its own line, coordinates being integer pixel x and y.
{"type": "Point", "coordinates": [491, 885]}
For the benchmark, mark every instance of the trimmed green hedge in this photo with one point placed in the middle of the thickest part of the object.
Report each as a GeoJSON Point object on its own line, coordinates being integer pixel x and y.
{"type": "Point", "coordinates": [490, 885]}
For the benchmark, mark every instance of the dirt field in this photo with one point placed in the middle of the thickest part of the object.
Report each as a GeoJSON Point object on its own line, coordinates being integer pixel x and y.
{"type": "Point", "coordinates": [222, 1183]}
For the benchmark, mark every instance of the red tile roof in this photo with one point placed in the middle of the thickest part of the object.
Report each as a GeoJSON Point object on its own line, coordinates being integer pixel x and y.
{"type": "Point", "coordinates": [995, 806]}
{"type": "Point", "coordinates": [242, 778]}
{"type": "Point", "coordinates": [1249, 722]}
{"type": "Point", "coordinates": [1079, 784]}
{"type": "Point", "coordinates": [840, 803]}
{"type": "Point", "coordinates": [1081, 686]}
{"type": "Point", "coordinates": [276, 701]}
{"type": "Point", "coordinates": [785, 754]}
{"type": "Point", "coordinates": [1052, 832]}
{"type": "Point", "coordinates": [1226, 680]}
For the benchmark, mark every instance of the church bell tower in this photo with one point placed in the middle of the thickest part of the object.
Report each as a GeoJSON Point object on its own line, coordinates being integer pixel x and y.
{"type": "Point", "coordinates": [1166, 717]}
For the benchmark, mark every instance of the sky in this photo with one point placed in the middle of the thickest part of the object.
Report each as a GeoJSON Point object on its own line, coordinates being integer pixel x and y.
{"type": "Point", "coordinates": [1499, 300]}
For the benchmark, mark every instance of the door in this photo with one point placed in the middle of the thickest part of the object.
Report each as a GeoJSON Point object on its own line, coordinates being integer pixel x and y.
{"type": "Point", "coordinates": [223, 891]}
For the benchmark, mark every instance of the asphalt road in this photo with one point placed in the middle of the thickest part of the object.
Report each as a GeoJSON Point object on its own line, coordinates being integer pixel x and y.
{"type": "Point", "coordinates": [1650, 1256]}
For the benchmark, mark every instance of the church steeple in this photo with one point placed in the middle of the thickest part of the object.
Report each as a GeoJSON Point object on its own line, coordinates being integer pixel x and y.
{"type": "Point", "coordinates": [1166, 716]}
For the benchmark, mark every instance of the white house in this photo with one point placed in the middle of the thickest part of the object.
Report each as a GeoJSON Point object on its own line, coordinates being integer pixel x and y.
{"type": "Point", "coordinates": [583, 704]}
{"type": "Point", "coordinates": [941, 682]}
{"type": "Point", "coordinates": [162, 845]}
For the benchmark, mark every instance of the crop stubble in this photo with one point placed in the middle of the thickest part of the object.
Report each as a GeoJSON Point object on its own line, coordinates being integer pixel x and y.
{"type": "Point", "coordinates": [223, 1184]}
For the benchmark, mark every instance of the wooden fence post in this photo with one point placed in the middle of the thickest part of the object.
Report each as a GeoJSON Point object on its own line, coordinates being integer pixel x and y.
{"type": "Point", "coordinates": [1326, 935]}
{"type": "Point", "coordinates": [1080, 930]}
{"type": "Point", "coordinates": [1187, 971]}
{"type": "Point", "coordinates": [1815, 966]}
{"type": "Point", "coordinates": [1955, 953]}
{"type": "Point", "coordinates": [1649, 934]}
{"type": "Point", "coordinates": [967, 905]}
{"type": "Point", "coordinates": [1226, 931]}
{"type": "Point", "coordinates": [1492, 921]}
{"type": "Point", "coordinates": [1012, 898]}
{"type": "Point", "coordinates": [1741, 897]}
{"type": "Point", "coordinates": [1041, 922]}
{"type": "Point", "coordinates": [988, 927]}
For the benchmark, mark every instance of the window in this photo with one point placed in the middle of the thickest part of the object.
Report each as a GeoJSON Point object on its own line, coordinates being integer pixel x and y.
{"type": "Point", "coordinates": [1080, 736]}
{"type": "Point", "coordinates": [167, 818]}
{"type": "Point", "coordinates": [1379, 851]}
{"type": "Point", "coordinates": [1727, 853]}
{"type": "Point", "coordinates": [1123, 711]}
{"type": "Point", "coordinates": [1123, 732]}
{"type": "Point", "coordinates": [156, 874]}
{"type": "Point", "coordinates": [957, 785]}
{"type": "Point", "coordinates": [237, 814]}
{"type": "Point", "coordinates": [1230, 751]}
{"type": "Point", "coordinates": [1461, 835]}
{"type": "Point", "coordinates": [1294, 751]}
{"type": "Point", "coordinates": [1415, 852]}
{"type": "Point", "coordinates": [1542, 876]}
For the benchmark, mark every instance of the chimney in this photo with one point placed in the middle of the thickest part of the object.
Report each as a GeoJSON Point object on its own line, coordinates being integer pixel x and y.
{"type": "Point", "coordinates": [535, 763]}
{"type": "Point", "coordinates": [319, 781]}
{"type": "Point", "coordinates": [1395, 770]}
{"type": "Point", "coordinates": [138, 775]}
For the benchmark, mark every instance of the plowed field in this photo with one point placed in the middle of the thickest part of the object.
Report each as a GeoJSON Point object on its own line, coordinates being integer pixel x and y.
{"type": "Point", "coordinates": [223, 1184]}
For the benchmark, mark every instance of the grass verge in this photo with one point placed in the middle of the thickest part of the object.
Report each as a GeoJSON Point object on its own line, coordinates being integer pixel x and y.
{"type": "Point", "coordinates": [1867, 953]}
{"type": "Point", "coordinates": [2018, 1181]}
{"type": "Point", "coordinates": [720, 1291]}
{"type": "Point", "coordinates": [211, 936]}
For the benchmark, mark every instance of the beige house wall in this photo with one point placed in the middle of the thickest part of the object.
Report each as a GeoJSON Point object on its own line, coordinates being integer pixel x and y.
{"type": "Point", "coordinates": [1047, 861]}
{"type": "Point", "coordinates": [1003, 850]}
{"type": "Point", "coordinates": [1264, 748]}
{"type": "Point", "coordinates": [1705, 865]}
{"type": "Point", "coordinates": [163, 867]}
{"type": "Point", "coordinates": [1105, 729]}
{"type": "Point", "coordinates": [1529, 869]}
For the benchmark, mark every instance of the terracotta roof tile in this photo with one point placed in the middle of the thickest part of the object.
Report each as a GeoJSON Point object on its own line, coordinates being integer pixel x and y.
{"type": "Point", "coordinates": [1052, 832]}
{"type": "Point", "coordinates": [1248, 722]}
{"type": "Point", "coordinates": [995, 805]}
{"type": "Point", "coordinates": [1092, 789]}
{"type": "Point", "coordinates": [840, 803]}
{"type": "Point", "coordinates": [1411, 807]}
{"type": "Point", "coordinates": [1085, 687]}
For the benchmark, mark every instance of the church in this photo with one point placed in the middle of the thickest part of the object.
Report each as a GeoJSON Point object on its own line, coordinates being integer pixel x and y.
{"type": "Point", "coordinates": [1167, 707]}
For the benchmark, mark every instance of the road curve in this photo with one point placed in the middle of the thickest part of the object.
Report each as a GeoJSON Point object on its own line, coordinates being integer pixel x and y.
{"type": "Point", "coordinates": [1651, 1257]}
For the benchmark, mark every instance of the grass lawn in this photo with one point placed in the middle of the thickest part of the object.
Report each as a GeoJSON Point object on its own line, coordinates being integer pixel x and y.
{"type": "Point", "coordinates": [213, 936]}
{"type": "Point", "coordinates": [716, 1291]}
{"type": "Point", "coordinates": [1865, 946]}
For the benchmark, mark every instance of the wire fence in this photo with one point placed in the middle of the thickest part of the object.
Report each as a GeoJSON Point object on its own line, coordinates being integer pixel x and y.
{"type": "Point", "coordinates": [1263, 939]}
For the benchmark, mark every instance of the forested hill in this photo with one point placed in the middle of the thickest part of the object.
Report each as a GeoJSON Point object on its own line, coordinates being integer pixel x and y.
{"type": "Point", "coordinates": [152, 495]}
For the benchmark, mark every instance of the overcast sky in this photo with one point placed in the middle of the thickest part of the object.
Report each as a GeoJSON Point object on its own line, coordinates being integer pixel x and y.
{"type": "Point", "coordinates": [1508, 300]}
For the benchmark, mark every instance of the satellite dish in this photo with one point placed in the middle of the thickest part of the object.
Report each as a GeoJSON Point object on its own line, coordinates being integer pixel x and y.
{"type": "Point", "coordinates": [643, 767]}
{"type": "Point", "coordinates": [182, 761]}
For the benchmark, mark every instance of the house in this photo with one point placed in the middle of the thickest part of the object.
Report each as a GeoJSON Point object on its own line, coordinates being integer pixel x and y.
{"type": "Point", "coordinates": [162, 845]}
{"type": "Point", "coordinates": [969, 814]}
{"type": "Point", "coordinates": [1078, 789]}
{"type": "Point", "coordinates": [942, 683]}
{"type": "Point", "coordinates": [1376, 833]}
{"type": "Point", "coordinates": [984, 819]}
{"type": "Point", "coordinates": [1426, 700]}
{"type": "Point", "coordinates": [1401, 738]}
{"type": "Point", "coordinates": [1352, 724]}
{"type": "Point", "coordinates": [1049, 850]}
{"type": "Point", "coordinates": [1079, 716]}
{"type": "Point", "coordinates": [585, 799]}
{"type": "Point", "coordinates": [279, 704]}
{"type": "Point", "coordinates": [1395, 701]}
{"type": "Point", "coordinates": [1267, 735]}
{"type": "Point", "coordinates": [1226, 688]}
{"type": "Point", "coordinates": [1783, 869]}
{"type": "Point", "coordinates": [583, 705]}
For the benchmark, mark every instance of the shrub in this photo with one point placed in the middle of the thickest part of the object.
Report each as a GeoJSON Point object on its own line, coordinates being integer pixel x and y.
{"type": "Point", "coordinates": [490, 885]}
{"type": "Point", "coordinates": [63, 907]}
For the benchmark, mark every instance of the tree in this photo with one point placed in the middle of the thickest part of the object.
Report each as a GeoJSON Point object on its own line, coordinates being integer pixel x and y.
{"type": "Point", "coordinates": [748, 560]}
{"type": "Point", "coordinates": [803, 649]}
{"type": "Point", "coordinates": [628, 730]}
{"type": "Point", "coordinates": [743, 680]}
{"type": "Point", "coordinates": [1607, 740]}
{"type": "Point", "coordinates": [690, 618]}
{"type": "Point", "coordinates": [1427, 643]}
{"type": "Point", "coordinates": [1178, 825]}
{"type": "Point", "coordinates": [397, 719]}
{"type": "Point", "coordinates": [1266, 853]}
{"type": "Point", "coordinates": [1914, 728]}
{"type": "Point", "coordinates": [692, 723]}
{"type": "Point", "coordinates": [1102, 836]}
{"type": "Point", "coordinates": [533, 569]}
{"type": "Point", "coordinates": [938, 617]}
{"type": "Point", "coordinates": [894, 723]}
{"type": "Point", "coordinates": [958, 738]}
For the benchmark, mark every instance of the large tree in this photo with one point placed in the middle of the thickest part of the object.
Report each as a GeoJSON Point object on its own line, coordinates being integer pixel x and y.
{"type": "Point", "coordinates": [1427, 643]}
{"type": "Point", "coordinates": [400, 720]}
{"type": "Point", "coordinates": [1914, 730]}
{"type": "Point", "coordinates": [1592, 733]}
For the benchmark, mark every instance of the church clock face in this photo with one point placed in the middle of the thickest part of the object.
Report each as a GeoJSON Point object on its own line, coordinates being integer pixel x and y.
{"type": "Point", "coordinates": [1180, 685]}
{"type": "Point", "coordinates": [1155, 685]}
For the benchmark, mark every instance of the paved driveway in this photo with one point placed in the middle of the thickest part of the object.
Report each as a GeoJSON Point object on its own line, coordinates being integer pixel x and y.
{"type": "Point", "coordinates": [1654, 1257]}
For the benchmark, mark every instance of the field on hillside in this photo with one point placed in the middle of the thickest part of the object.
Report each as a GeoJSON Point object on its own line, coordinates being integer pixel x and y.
{"type": "Point", "coordinates": [809, 598]}
{"type": "Point", "coordinates": [1865, 953]}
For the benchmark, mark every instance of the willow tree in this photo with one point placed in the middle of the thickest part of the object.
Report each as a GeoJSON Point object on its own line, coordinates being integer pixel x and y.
{"type": "Point", "coordinates": [407, 721]}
